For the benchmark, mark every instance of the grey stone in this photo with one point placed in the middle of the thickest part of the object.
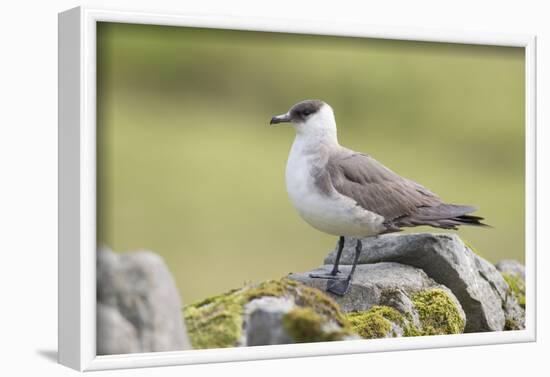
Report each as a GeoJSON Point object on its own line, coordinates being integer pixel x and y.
{"type": "Point", "coordinates": [139, 287]}
{"type": "Point", "coordinates": [263, 321]}
{"type": "Point", "coordinates": [385, 283]}
{"type": "Point", "coordinates": [476, 283]}
{"type": "Point", "coordinates": [371, 284]}
{"type": "Point", "coordinates": [398, 299]}
{"type": "Point", "coordinates": [515, 314]}
{"type": "Point", "coordinates": [115, 335]}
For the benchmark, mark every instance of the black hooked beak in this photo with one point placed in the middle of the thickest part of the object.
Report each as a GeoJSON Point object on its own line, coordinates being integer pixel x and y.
{"type": "Point", "coordinates": [280, 119]}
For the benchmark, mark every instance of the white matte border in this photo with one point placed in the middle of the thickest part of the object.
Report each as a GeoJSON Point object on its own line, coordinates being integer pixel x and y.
{"type": "Point", "coordinates": [84, 310]}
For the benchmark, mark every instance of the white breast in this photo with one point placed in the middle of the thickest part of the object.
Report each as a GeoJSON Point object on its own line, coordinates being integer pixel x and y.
{"type": "Point", "coordinates": [334, 213]}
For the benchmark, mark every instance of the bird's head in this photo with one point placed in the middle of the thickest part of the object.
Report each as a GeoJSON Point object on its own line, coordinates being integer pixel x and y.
{"type": "Point", "coordinates": [311, 116]}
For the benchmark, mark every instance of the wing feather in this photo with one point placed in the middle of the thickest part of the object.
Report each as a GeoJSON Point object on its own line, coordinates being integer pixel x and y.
{"type": "Point", "coordinates": [376, 188]}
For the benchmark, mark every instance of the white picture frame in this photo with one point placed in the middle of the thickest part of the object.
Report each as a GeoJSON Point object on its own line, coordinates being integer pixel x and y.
{"type": "Point", "coordinates": [77, 190]}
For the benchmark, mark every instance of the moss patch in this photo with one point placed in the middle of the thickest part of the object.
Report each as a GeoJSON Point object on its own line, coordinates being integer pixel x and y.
{"type": "Point", "coordinates": [437, 312]}
{"type": "Point", "coordinates": [216, 322]}
{"type": "Point", "coordinates": [511, 324]}
{"type": "Point", "coordinates": [304, 325]}
{"type": "Point", "coordinates": [321, 303]}
{"type": "Point", "coordinates": [375, 322]}
{"type": "Point", "coordinates": [273, 288]}
{"type": "Point", "coordinates": [516, 287]}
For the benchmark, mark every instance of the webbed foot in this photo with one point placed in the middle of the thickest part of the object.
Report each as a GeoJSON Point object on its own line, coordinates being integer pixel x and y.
{"type": "Point", "coordinates": [329, 276]}
{"type": "Point", "coordinates": [338, 287]}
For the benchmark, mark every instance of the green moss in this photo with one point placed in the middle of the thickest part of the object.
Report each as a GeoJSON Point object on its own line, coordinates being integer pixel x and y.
{"type": "Point", "coordinates": [304, 325]}
{"type": "Point", "coordinates": [375, 322]}
{"type": "Point", "coordinates": [411, 330]}
{"type": "Point", "coordinates": [321, 303]}
{"type": "Point", "coordinates": [274, 288]}
{"type": "Point", "coordinates": [511, 324]}
{"type": "Point", "coordinates": [516, 287]}
{"type": "Point", "coordinates": [216, 322]}
{"type": "Point", "coordinates": [437, 312]}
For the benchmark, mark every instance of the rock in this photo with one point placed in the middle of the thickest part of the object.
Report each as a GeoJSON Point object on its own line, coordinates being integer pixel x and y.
{"type": "Point", "coordinates": [371, 284]}
{"type": "Point", "coordinates": [476, 283]}
{"type": "Point", "coordinates": [389, 299]}
{"type": "Point", "coordinates": [263, 323]}
{"type": "Point", "coordinates": [139, 308]}
{"type": "Point", "coordinates": [404, 285]}
{"type": "Point", "coordinates": [115, 334]}
{"type": "Point", "coordinates": [278, 320]}
{"type": "Point", "coordinates": [432, 312]}
{"type": "Point", "coordinates": [272, 312]}
{"type": "Point", "coordinates": [513, 273]}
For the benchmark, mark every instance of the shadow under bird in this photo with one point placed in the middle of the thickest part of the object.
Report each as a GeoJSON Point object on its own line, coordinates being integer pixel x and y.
{"type": "Point", "coordinates": [349, 194]}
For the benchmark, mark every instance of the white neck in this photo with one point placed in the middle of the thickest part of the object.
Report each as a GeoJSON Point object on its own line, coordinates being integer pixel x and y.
{"type": "Point", "coordinates": [319, 129]}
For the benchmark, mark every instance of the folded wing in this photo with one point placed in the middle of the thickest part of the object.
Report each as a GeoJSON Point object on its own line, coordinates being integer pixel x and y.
{"type": "Point", "coordinates": [401, 201]}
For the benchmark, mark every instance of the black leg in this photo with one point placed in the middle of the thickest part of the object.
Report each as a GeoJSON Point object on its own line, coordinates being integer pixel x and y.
{"type": "Point", "coordinates": [340, 287]}
{"type": "Point", "coordinates": [338, 255]}
{"type": "Point", "coordinates": [334, 273]}
{"type": "Point", "coordinates": [358, 249]}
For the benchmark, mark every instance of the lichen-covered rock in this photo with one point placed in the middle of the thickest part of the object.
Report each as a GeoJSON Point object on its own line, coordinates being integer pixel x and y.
{"type": "Point", "coordinates": [374, 284]}
{"type": "Point", "coordinates": [479, 287]}
{"type": "Point", "coordinates": [379, 322]}
{"type": "Point", "coordinates": [272, 312]}
{"type": "Point", "coordinates": [305, 325]}
{"type": "Point", "coordinates": [390, 299]}
{"type": "Point", "coordinates": [404, 285]}
{"type": "Point", "coordinates": [139, 308]}
{"type": "Point", "coordinates": [433, 312]}
{"type": "Point", "coordinates": [513, 273]}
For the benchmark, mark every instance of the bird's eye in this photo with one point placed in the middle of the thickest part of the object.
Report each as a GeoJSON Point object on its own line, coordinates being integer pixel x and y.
{"type": "Point", "coordinates": [306, 112]}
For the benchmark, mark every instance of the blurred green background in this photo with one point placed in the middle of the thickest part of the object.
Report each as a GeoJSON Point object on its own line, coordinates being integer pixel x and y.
{"type": "Point", "coordinates": [188, 166]}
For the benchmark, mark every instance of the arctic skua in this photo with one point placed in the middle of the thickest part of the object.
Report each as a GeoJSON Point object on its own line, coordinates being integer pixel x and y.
{"type": "Point", "coordinates": [349, 194]}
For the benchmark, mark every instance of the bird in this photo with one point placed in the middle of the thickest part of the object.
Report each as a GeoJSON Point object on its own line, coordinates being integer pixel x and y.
{"type": "Point", "coordinates": [350, 194]}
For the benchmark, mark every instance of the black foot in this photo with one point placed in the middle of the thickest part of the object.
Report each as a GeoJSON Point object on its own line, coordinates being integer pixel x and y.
{"type": "Point", "coordinates": [338, 287]}
{"type": "Point", "coordinates": [329, 276]}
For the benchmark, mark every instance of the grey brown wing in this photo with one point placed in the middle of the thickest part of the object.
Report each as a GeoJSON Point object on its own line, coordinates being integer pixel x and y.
{"type": "Point", "coordinates": [376, 188]}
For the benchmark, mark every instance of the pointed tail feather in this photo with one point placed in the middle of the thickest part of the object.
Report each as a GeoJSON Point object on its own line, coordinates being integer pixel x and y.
{"type": "Point", "coordinates": [446, 216]}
